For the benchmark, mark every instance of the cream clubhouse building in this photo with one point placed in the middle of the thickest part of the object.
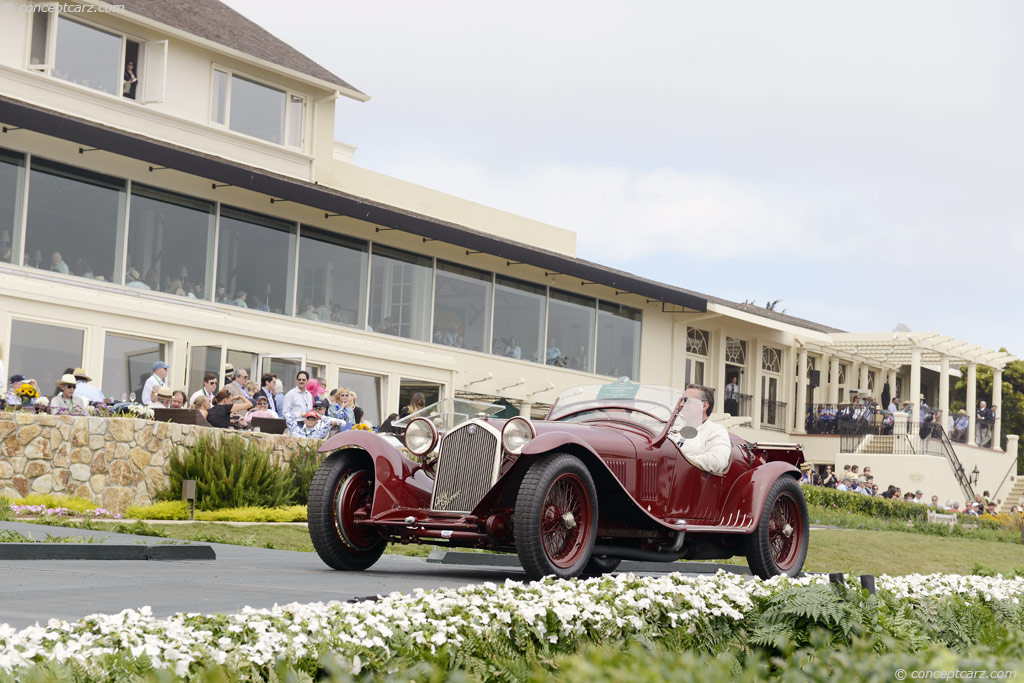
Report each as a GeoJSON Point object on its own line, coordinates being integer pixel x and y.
{"type": "Point", "coordinates": [172, 188]}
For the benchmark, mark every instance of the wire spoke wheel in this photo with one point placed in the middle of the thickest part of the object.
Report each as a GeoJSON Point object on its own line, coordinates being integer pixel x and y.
{"type": "Point", "coordinates": [353, 497]}
{"type": "Point", "coordinates": [555, 518]}
{"type": "Point", "coordinates": [778, 544]}
{"type": "Point", "coordinates": [341, 495]}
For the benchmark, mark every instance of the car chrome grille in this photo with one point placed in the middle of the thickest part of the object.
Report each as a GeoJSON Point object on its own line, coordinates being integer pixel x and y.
{"type": "Point", "coordinates": [467, 468]}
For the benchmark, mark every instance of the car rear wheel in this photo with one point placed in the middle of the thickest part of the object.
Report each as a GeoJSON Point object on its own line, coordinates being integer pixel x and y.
{"type": "Point", "coordinates": [341, 488]}
{"type": "Point", "coordinates": [779, 543]}
{"type": "Point", "coordinates": [556, 517]}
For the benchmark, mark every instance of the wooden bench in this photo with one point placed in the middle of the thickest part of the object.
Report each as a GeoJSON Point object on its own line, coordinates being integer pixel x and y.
{"type": "Point", "coordinates": [939, 518]}
{"type": "Point", "coordinates": [185, 416]}
{"type": "Point", "coordinates": [269, 425]}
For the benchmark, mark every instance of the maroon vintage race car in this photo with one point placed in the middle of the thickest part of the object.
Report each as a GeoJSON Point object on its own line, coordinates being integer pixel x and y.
{"type": "Point", "coordinates": [598, 481]}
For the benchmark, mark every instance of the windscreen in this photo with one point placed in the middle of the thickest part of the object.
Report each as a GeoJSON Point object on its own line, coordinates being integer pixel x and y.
{"type": "Point", "coordinates": [451, 412]}
{"type": "Point", "coordinates": [654, 400]}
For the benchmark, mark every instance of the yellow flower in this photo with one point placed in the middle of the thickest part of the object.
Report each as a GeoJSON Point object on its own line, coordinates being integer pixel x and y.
{"type": "Point", "coordinates": [363, 427]}
{"type": "Point", "coordinates": [27, 390]}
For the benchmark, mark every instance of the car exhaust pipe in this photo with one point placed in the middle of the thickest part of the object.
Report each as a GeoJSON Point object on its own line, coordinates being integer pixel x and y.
{"type": "Point", "coordinates": [621, 553]}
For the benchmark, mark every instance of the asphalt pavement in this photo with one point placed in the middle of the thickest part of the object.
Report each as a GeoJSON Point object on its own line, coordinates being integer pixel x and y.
{"type": "Point", "coordinates": [38, 590]}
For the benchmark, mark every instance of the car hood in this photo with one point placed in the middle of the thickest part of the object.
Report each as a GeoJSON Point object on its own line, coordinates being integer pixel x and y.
{"type": "Point", "coordinates": [606, 439]}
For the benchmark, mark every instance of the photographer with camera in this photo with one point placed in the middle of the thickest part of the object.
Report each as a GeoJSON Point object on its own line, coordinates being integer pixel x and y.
{"type": "Point", "coordinates": [228, 410]}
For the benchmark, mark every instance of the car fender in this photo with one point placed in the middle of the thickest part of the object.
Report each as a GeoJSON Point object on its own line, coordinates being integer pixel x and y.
{"type": "Point", "coordinates": [572, 444]}
{"type": "Point", "coordinates": [399, 482]}
{"type": "Point", "coordinates": [741, 510]}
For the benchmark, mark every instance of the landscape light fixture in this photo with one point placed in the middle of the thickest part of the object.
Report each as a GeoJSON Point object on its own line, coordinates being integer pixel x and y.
{"type": "Point", "coordinates": [188, 494]}
{"type": "Point", "coordinates": [974, 475]}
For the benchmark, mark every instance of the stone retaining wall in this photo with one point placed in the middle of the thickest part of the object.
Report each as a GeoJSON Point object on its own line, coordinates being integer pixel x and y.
{"type": "Point", "coordinates": [115, 462]}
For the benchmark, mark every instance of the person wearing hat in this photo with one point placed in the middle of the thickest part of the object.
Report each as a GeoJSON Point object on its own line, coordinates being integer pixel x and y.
{"type": "Point", "coordinates": [805, 473]}
{"type": "Point", "coordinates": [65, 399]}
{"type": "Point", "coordinates": [86, 391]}
{"type": "Point", "coordinates": [262, 408]}
{"type": "Point", "coordinates": [135, 280]}
{"type": "Point", "coordinates": [229, 373]}
{"type": "Point", "coordinates": [156, 380]}
{"type": "Point", "coordinates": [12, 386]}
{"type": "Point", "coordinates": [314, 424]}
{"type": "Point", "coordinates": [161, 398]}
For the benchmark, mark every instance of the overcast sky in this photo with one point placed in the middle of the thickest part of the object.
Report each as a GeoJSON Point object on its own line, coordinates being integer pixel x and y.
{"type": "Point", "coordinates": [861, 161]}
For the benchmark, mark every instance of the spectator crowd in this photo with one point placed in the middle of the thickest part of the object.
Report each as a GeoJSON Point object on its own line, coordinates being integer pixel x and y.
{"type": "Point", "coordinates": [856, 481]}
{"type": "Point", "coordinates": [308, 409]}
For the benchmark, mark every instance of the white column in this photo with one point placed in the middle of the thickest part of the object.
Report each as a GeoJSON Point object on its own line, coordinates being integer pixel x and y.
{"type": "Point", "coordinates": [997, 401]}
{"type": "Point", "coordinates": [892, 386]}
{"type": "Point", "coordinates": [863, 381]}
{"type": "Point", "coordinates": [915, 385]}
{"type": "Point", "coordinates": [833, 385]}
{"type": "Point", "coordinates": [800, 409]}
{"type": "Point", "coordinates": [853, 379]}
{"type": "Point", "coordinates": [944, 390]}
{"type": "Point", "coordinates": [755, 347]}
{"type": "Point", "coordinates": [525, 408]}
{"type": "Point", "coordinates": [972, 402]}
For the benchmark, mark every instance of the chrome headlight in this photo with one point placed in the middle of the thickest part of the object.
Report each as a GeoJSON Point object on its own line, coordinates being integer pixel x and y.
{"type": "Point", "coordinates": [516, 434]}
{"type": "Point", "coordinates": [420, 436]}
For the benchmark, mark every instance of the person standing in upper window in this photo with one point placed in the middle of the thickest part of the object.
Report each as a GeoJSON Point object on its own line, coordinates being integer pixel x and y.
{"type": "Point", "coordinates": [732, 396]}
{"type": "Point", "coordinates": [131, 81]}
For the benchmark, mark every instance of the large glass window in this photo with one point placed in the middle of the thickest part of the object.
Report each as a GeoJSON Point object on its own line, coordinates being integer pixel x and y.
{"type": "Point", "coordinates": [12, 178]}
{"type": "Point", "coordinates": [462, 307]}
{"type": "Point", "coordinates": [400, 293]}
{"type": "Point", "coordinates": [618, 340]}
{"type": "Point", "coordinates": [170, 238]}
{"type": "Point", "coordinates": [570, 331]}
{"type": "Point", "coordinates": [74, 217]}
{"type": "Point", "coordinates": [201, 360]}
{"type": "Point", "coordinates": [88, 56]}
{"type": "Point", "coordinates": [518, 319]}
{"type": "Point", "coordinates": [128, 363]}
{"type": "Point", "coordinates": [257, 110]}
{"type": "Point", "coordinates": [369, 393]}
{"type": "Point", "coordinates": [332, 278]}
{"type": "Point", "coordinates": [254, 260]}
{"type": "Point", "coordinates": [43, 352]}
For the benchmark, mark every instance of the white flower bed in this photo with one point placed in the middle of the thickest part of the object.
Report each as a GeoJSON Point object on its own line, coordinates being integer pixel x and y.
{"type": "Point", "coordinates": [369, 633]}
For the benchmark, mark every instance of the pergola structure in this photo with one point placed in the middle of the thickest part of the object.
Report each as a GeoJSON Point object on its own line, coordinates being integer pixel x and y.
{"type": "Point", "coordinates": [892, 350]}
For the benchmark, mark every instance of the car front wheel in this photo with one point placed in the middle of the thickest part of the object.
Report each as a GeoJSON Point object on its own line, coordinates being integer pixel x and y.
{"type": "Point", "coordinates": [779, 543]}
{"type": "Point", "coordinates": [556, 517]}
{"type": "Point", "coordinates": [341, 489]}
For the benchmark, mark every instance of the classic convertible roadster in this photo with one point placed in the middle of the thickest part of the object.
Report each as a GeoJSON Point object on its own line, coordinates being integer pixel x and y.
{"type": "Point", "coordinates": [598, 481]}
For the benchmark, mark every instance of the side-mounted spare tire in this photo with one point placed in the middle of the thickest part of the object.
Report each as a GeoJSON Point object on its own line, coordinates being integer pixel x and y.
{"type": "Point", "coordinates": [556, 517]}
{"type": "Point", "coordinates": [779, 543]}
{"type": "Point", "coordinates": [341, 487]}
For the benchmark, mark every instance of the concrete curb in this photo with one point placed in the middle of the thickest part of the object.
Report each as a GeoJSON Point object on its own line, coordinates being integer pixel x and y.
{"type": "Point", "coordinates": [91, 551]}
{"type": "Point", "coordinates": [511, 561]}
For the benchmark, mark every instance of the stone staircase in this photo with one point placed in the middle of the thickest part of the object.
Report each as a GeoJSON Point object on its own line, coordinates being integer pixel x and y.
{"type": "Point", "coordinates": [1013, 496]}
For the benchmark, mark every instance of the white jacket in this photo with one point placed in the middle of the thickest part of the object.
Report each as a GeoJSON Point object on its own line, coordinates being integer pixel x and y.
{"type": "Point", "coordinates": [710, 450]}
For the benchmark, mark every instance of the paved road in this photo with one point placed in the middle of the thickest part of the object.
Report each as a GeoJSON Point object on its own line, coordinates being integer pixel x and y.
{"type": "Point", "coordinates": [37, 590]}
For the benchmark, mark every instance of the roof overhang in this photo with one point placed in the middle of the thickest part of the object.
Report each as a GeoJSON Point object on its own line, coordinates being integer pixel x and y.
{"type": "Point", "coordinates": [897, 348]}
{"type": "Point", "coordinates": [216, 169]}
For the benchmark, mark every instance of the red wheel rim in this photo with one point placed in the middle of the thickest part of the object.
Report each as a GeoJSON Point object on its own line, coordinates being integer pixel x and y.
{"type": "Point", "coordinates": [565, 520]}
{"type": "Point", "coordinates": [785, 531]}
{"type": "Point", "coordinates": [354, 494]}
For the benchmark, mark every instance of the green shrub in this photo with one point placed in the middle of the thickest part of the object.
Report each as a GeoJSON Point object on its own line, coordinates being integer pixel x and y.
{"type": "Point", "coordinates": [6, 514]}
{"type": "Point", "coordinates": [303, 466]}
{"type": "Point", "coordinates": [292, 513]}
{"type": "Point", "coordinates": [54, 500]}
{"type": "Point", "coordinates": [873, 506]}
{"type": "Point", "coordinates": [170, 509]}
{"type": "Point", "coordinates": [229, 472]}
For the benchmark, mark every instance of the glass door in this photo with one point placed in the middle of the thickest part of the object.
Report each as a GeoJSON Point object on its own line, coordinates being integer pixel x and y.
{"type": "Point", "coordinates": [285, 366]}
{"type": "Point", "coordinates": [201, 360]}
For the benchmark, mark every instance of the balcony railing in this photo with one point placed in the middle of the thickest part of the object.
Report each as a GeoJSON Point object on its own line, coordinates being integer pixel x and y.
{"type": "Point", "coordinates": [773, 415]}
{"type": "Point", "coordinates": [742, 407]}
{"type": "Point", "coordinates": [845, 419]}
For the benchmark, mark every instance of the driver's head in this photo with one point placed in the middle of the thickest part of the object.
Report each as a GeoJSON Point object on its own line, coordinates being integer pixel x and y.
{"type": "Point", "coordinates": [705, 394]}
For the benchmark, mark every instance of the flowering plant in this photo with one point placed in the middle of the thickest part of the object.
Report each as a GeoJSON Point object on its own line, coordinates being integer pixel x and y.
{"type": "Point", "coordinates": [363, 427]}
{"type": "Point", "coordinates": [27, 391]}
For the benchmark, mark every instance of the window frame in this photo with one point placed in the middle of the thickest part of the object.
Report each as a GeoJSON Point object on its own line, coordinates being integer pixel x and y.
{"type": "Point", "coordinates": [286, 121]}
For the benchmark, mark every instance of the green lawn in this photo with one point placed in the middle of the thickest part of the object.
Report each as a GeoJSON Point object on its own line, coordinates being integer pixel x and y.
{"type": "Point", "coordinates": [846, 550]}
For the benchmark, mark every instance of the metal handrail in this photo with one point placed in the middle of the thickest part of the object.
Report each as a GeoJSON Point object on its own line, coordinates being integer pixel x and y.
{"type": "Point", "coordinates": [954, 462]}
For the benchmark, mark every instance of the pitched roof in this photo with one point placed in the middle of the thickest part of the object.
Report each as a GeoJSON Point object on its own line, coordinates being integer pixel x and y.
{"type": "Point", "coordinates": [215, 21]}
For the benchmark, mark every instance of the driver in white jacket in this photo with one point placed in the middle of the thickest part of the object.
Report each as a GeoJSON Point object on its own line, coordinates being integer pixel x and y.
{"type": "Point", "coordinates": [711, 449]}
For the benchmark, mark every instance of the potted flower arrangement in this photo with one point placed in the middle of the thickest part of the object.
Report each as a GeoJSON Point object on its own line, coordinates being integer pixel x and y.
{"type": "Point", "coordinates": [363, 427]}
{"type": "Point", "coordinates": [27, 393]}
